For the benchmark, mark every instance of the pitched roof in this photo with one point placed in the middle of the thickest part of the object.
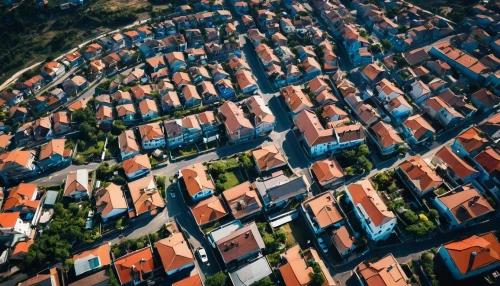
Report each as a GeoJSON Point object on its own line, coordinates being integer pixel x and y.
{"type": "Point", "coordinates": [5, 140]}
{"type": "Point", "coordinates": [295, 97]}
{"type": "Point", "coordinates": [240, 243]}
{"type": "Point", "coordinates": [386, 135]}
{"type": "Point", "coordinates": [208, 210]}
{"type": "Point", "coordinates": [324, 210]}
{"type": "Point", "coordinates": [77, 181]}
{"type": "Point", "coordinates": [128, 142]}
{"type": "Point", "coordinates": [363, 193]}
{"type": "Point", "coordinates": [342, 239]}
{"type": "Point", "coordinates": [416, 56]}
{"type": "Point", "coordinates": [295, 271]}
{"type": "Point", "coordinates": [242, 200]}
{"type": "Point", "coordinates": [110, 198]}
{"type": "Point", "coordinates": [189, 91]}
{"type": "Point", "coordinates": [145, 195]}
{"type": "Point", "coordinates": [466, 204]}
{"type": "Point", "coordinates": [260, 110]}
{"type": "Point", "coordinates": [472, 139]}
{"type": "Point", "coordinates": [327, 170]}
{"type": "Point", "coordinates": [18, 157]}
{"type": "Point", "coordinates": [268, 157]}
{"type": "Point", "coordinates": [420, 174]}
{"type": "Point", "coordinates": [148, 105]}
{"type": "Point", "coordinates": [234, 117]}
{"type": "Point", "coordinates": [174, 252]}
{"type": "Point", "coordinates": [134, 265]}
{"type": "Point", "coordinates": [459, 166]}
{"type": "Point", "coordinates": [385, 271]}
{"type": "Point", "coordinates": [388, 87]}
{"type": "Point", "coordinates": [22, 195]}
{"type": "Point", "coordinates": [125, 109]}
{"type": "Point", "coordinates": [474, 252]}
{"type": "Point", "coordinates": [196, 179]}
{"type": "Point", "coordinates": [150, 131]}
{"type": "Point", "coordinates": [9, 220]}
{"type": "Point", "coordinates": [489, 159]}
{"type": "Point", "coordinates": [372, 71]}
{"type": "Point", "coordinates": [309, 125]}
{"type": "Point", "coordinates": [136, 163]}
{"type": "Point", "coordinates": [245, 78]}
{"type": "Point", "coordinates": [418, 125]}
{"type": "Point", "coordinates": [194, 280]}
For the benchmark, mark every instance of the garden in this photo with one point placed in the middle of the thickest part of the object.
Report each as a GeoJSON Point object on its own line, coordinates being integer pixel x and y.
{"type": "Point", "coordinates": [229, 172]}
{"type": "Point", "coordinates": [355, 161]}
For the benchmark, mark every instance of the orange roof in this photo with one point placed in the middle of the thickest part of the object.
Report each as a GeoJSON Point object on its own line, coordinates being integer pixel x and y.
{"type": "Point", "coordinates": [127, 142]}
{"type": "Point", "coordinates": [134, 265]}
{"type": "Point", "coordinates": [101, 251]}
{"type": "Point", "coordinates": [156, 61]}
{"type": "Point", "coordinates": [190, 121]}
{"type": "Point", "coordinates": [386, 135]}
{"type": "Point", "coordinates": [150, 131]}
{"type": "Point", "coordinates": [459, 166]}
{"type": "Point", "coordinates": [5, 140]}
{"type": "Point", "coordinates": [189, 91]}
{"type": "Point", "coordinates": [22, 247]}
{"type": "Point", "coordinates": [140, 91]}
{"type": "Point", "coordinates": [147, 105]}
{"type": "Point", "coordinates": [145, 195]}
{"type": "Point", "coordinates": [242, 200]}
{"type": "Point", "coordinates": [125, 109]}
{"type": "Point", "coordinates": [372, 71]}
{"type": "Point", "coordinates": [466, 204]}
{"type": "Point", "coordinates": [472, 139]}
{"type": "Point", "coordinates": [206, 117]}
{"type": "Point", "coordinates": [323, 209]}
{"type": "Point", "coordinates": [174, 252]}
{"type": "Point", "coordinates": [181, 78]}
{"type": "Point", "coordinates": [109, 199]}
{"type": "Point", "coordinates": [327, 170]}
{"type": "Point", "coordinates": [331, 111]}
{"type": "Point", "coordinates": [235, 119]}
{"type": "Point", "coordinates": [295, 272]}
{"type": "Point", "coordinates": [268, 157]}
{"type": "Point", "coordinates": [245, 78]}
{"type": "Point", "coordinates": [122, 95]}
{"type": "Point", "coordinates": [486, 248]}
{"type": "Point", "coordinates": [418, 125]}
{"type": "Point", "coordinates": [342, 239]}
{"type": "Point", "coordinates": [208, 210]}
{"type": "Point", "coordinates": [196, 179]}
{"type": "Point", "coordinates": [420, 174]}
{"type": "Point", "coordinates": [78, 104]}
{"type": "Point", "coordinates": [22, 195]}
{"type": "Point", "coordinates": [18, 157]}
{"type": "Point", "coordinates": [386, 271]}
{"type": "Point", "coordinates": [309, 125]}
{"type": "Point", "coordinates": [76, 181]}
{"type": "Point", "coordinates": [194, 280]}
{"type": "Point", "coordinates": [363, 193]}
{"type": "Point", "coordinates": [9, 220]}
{"type": "Point", "coordinates": [388, 87]}
{"type": "Point", "coordinates": [295, 97]}
{"type": "Point", "coordinates": [137, 163]}
{"type": "Point", "coordinates": [489, 159]}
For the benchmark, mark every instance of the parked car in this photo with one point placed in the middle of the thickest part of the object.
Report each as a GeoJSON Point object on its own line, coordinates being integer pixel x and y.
{"type": "Point", "coordinates": [323, 245]}
{"type": "Point", "coordinates": [202, 254]}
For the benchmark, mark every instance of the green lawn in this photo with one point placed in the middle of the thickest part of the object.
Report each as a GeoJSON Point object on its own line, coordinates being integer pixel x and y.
{"type": "Point", "coordinates": [92, 149]}
{"type": "Point", "coordinates": [232, 180]}
{"type": "Point", "coordinates": [296, 232]}
{"type": "Point", "coordinates": [184, 151]}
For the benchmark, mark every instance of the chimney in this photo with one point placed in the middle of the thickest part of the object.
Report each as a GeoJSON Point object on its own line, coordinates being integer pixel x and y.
{"type": "Point", "coordinates": [471, 260]}
{"type": "Point", "coordinates": [247, 234]}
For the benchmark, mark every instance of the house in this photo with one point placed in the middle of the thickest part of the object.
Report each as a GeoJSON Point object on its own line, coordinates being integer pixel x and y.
{"type": "Point", "coordinates": [268, 158]}
{"type": "Point", "coordinates": [127, 143]}
{"type": "Point", "coordinates": [322, 212]}
{"type": "Point", "coordinates": [135, 267]}
{"type": "Point", "coordinates": [53, 154]}
{"type": "Point", "coordinates": [191, 129]}
{"type": "Point", "coordinates": [104, 115]}
{"type": "Point", "coordinates": [190, 96]}
{"type": "Point", "coordinates": [176, 61]}
{"type": "Point", "coordinates": [175, 253]}
{"type": "Point", "coordinates": [18, 114]}
{"type": "Point", "coordinates": [198, 184]}
{"type": "Point", "coordinates": [181, 79]}
{"type": "Point", "coordinates": [77, 185]}
{"type": "Point", "coordinates": [296, 99]}
{"type": "Point", "coordinates": [238, 127]}
{"type": "Point", "coordinates": [152, 136]}
{"type": "Point", "coordinates": [418, 176]}
{"type": "Point", "coordinates": [439, 67]}
{"type": "Point", "coordinates": [135, 76]}
{"type": "Point", "coordinates": [225, 89]}
{"type": "Point", "coordinates": [110, 202]}
{"type": "Point", "coordinates": [142, 92]}
{"type": "Point", "coordinates": [17, 165]}
{"type": "Point", "coordinates": [20, 250]}
{"type": "Point", "coordinates": [419, 92]}
{"type": "Point", "coordinates": [92, 260]}
{"type": "Point", "coordinates": [399, 107]}
{"type": "Point", "coordinates": [246, 81]}
{"type": "Point", "coordinates": [126, 113]}
{"type": "Point", "coordinates": [42, 129]}
{"type": "Point", "coordinates": [484, 100]}
{"type": "Point", "coordinates": [316, 139]}
{"type": "Point", "coordinates": [417, 130]}
{"type": "Point", "coordinates": [385, 137]}
{"type": "Point", "coordinates": [97, 67]}
{"type": "Point", "coordinates": [387, 90]}
{"type": "Point", "coordinates": [328, 173]}
{"type": "Point", "coordinates": [349, 135]}
{"type": "Point", "coordinates": [377, 221]}
{"type": "Point", "coordinates": [416, 57]}
{"type": "Point", "coordinates": [12, 98]}
{"type": "Point", "coordinates": [488, 163]}
{"type": "Point", "coordinates": [156, 63]}
{"type": "Point", "coordinates": [24, 199]}
{"type": "Point", "coordinates": [469, 143]}
{"type": "Point", "coordinates": [5, 141]}
{"type": "Point", "coordinates": [194, 280]}
{"type": "Point", "coordinates": [462, 206]}
{"type": "Point", "coordinates": [52, 278]}
{"type": "Point", "coordinates": [199, 74]}
{"type": "Point", "coordinates": [372, 73]}
{"type": "Point", "coordinates": [136, 166]}
{"type": "Point", "coordinates": [208, 92]}
{"type": "Point", "coordinates": [240, 246]}
{"type": "Point", "coordinates": [250, 273]}
{"type": "Point", "coordinates": [93, 50]}
{"type": "Point", "coordinates": [170, 101]}
{"type": "Point", "coordinates": [280, 190]}
{"type": "Point", "coordinates": [263, 119]}
{"type": "Point", "coordinates": [11, 224]}
{"type": "Point", "coordinates": [174, 133]}
{"type": "Point", "coordinates": [458, 103]}
{"type": "Point", "coordinates": [148, 109]}
{"type": "Point", "coordinates": [454, 166]}
{"type": "Point", "coordinates": [146, 198]}
{"type": "Point", "coordinates": [208, 124]}
{"type": "Point", "coordinates": [52, 70]}
{"type": "Point", "coordinates": [243, 201]}
{"type": "Point", "coordinates": [440, 111]}
{"type": "Point", "coordinates": [122, 97]}
{"type": "Point", "coordinates": [384, 271]}
{"type": "Point", "coordinates": [24, 134]}
{"type": "Point", "coordinates": [208, 210]}
{"type": "Point", "coordinates": [163, 86]}
{"type": "Point", "coordinates": [471, 256]}
{"type": "Point", "coordinates": [332, 113]}
{"type": "Point", "coordinates": [311, 67]}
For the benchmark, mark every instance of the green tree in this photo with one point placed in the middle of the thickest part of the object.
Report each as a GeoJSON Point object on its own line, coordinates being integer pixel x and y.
{"type": "Point", "coordinates": [118, 127]}
{"type": "Point", "coordinates": [218, 279]}
{"type": "Point", "coordinates": [365, 164]}
{"type": "Point", "coordinates": [218, 167]}
{"type": "Point", "coordinates": [363, 150]}
{"type": "Point", "coordinates": [317, 275]}
{"type": "Point", "coordinates": [264, 282]}
{"type": "Point", "coordinates": [433, 214]}
{"type": "Point", "coordinates": [386, 44]}
{"type": "Point", "coordinates": [160, 182]}
{"type": "Point", "coordinates": [349, 171]}
{"type": "Point", "coordinates": [410, 217]}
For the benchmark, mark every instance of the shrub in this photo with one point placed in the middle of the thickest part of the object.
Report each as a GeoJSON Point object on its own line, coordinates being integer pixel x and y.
{"type": "Point", "coordinates": [410, 217]}
{"type": "Point", "coordinates": [218, 279]}
{"type": "Point", "coordinates": [218, 167]}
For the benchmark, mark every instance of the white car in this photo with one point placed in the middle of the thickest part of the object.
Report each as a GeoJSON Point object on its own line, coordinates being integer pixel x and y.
{"type": "Point", "coordinates": [202, 254]}
{"type": "Point", "coordinates": [322, 244]}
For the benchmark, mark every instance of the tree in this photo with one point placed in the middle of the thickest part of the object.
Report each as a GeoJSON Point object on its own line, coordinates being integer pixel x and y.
{"type": "Point", "coordinates": [177, 114]}
{"type": "Point", "coordinates": [386, 44]}
{"type": "Point", "coordinates": [317, 275]}
{"type": "Point", "coordinates": [410, 217]}
{"type": "Point", "coordinates": [363, 33]}
{"type": "Point", "coordinates": [264, 282]}
{"type": "Point", "coordinates": [118, 127]}
{"type": "Point", "coordinates": [349, 171]}
{"type": "Point", "coordinates": [349, 154]}
{"type": "Point", "coordinates": [160, 181]}
{"type": "Point", "coordinates": [365, 164]}
{"type": "Point", "coordinates": [218, 279]}
{"type": "Point", "coordinates": [218, 167]}
{"type": "Point", "coordinates": [363, 150]}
